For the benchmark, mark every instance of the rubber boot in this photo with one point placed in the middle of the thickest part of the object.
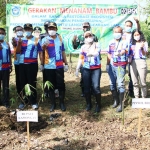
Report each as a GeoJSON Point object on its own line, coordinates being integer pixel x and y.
{"type": "Point", "coordinates": [88, 101]}
{"type": "Point", "coordinates": [52, 98]}
{"type": "Point", "coordinates": [61, 98]}
{"type": "Point", "coordinates": [115, 98]}
{"type": "Point", "coordinates": [121, 98]}
{"type": "Point", "coordinates": [98, 102]}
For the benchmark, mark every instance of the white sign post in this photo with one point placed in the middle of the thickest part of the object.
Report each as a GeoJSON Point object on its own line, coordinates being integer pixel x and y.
{"type": "Point", "coordinates": [140, 103]}
{"type": "Point", "coordinates": [29, 116]}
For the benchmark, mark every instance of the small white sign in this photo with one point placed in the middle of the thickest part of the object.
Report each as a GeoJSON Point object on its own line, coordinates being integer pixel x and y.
{"type": "Point", "coordinates": [31, 116]}
{"type": "Point", "coordinates": [141, 103]}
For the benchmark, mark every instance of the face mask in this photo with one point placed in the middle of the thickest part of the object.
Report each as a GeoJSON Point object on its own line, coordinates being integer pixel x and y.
{"type": "Point", "coordinates": [19, 33]}
{"type": "Point", "coordinates": [27, 33]}
{"type": "Point", "coordinates": [52, 32]}
{"type": "Point", "coordinates": [2, 37]}
{"type": "Point", "coordinates": [137, 38]}
{"type": "Point", "coordinates": [89, 39]}
{"type": "Point", "coordinates": [117, 36]}
{"type": "Point", "coordinates": [128, 29]}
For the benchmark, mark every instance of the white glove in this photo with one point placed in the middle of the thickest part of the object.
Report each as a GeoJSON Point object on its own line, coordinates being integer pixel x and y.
{"type": "Point", "coordinates": [41, 68]}
{"type": "Point", "coordinates": [107, 68]}
{"type": "Point", "coordinates": [117, 54]}
{"type": "Point", "coordinates": [66, 68]}
{"type": "Point", "coordinates": [89, 55]}
{"type": "Point", "coordinates": [77, 73]}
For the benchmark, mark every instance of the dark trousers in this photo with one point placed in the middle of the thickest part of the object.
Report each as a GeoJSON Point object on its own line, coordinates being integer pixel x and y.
{"type": "Point", "coordinates": [17, 79]}
{"type": "Point", "coordinates": [93, 75]}
{"type": "Point", "coordinates": [56, 77]}
{"type": "Point", "coordinates": [4, 78]}
{"type": "Point", "coordinates": [28, 75]}
{"type": "Point", "coordinates": [130, 86]}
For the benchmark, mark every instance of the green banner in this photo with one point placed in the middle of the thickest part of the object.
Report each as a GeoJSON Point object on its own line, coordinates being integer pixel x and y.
{"type": "Point", "coordinates": [70, 18]}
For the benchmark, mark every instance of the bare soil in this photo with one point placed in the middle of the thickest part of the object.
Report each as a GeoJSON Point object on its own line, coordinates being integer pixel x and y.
{"type": "Point", "coordinates": [76, 129]}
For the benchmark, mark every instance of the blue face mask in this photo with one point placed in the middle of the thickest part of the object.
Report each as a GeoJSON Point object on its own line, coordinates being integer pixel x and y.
{"type": "Point", "coordinates": [19, 33]}
{"type": "Point", "coordinates": [2, 37]}
{"type": "Point", "coordinates": [117, 36]}
{"type": "Point", "coordinates": [128, 29]}
{"type": "Point", "coordinates": [27, 33]}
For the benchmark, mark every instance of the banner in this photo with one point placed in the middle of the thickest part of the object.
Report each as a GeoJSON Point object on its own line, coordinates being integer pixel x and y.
{"type": "Point", "coordinates": [70, 18]}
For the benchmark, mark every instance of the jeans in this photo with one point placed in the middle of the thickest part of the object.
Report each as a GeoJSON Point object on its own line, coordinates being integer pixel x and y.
{"type": "Point", "coordinates": [93, 75]}
{"type": "Point", "coordinates": [116, 75]}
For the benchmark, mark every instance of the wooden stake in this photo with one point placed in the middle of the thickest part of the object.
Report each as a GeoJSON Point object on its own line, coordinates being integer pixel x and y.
{"type": "Point", "coordinates": [28, 134]}
{"type": "Point", "coordinates": [139, 124]}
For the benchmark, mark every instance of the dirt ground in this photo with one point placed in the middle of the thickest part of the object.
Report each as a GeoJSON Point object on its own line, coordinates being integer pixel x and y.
{"type": "Point", "coordinates": [76, 129]}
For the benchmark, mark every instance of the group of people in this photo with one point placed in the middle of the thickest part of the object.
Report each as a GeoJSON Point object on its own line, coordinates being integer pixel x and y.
{"type": "Point", "coordinates": [126, 48]}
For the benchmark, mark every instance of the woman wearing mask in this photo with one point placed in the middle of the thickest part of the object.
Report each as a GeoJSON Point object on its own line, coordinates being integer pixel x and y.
{"type": "Point", "coordinates": [116, 67]}
{"type": "Point", "coordinates": [138, 68]}
{"type": "Point", "coordinates": [29, 48]}
{"type": "Point", "coordinates": [90, 58]}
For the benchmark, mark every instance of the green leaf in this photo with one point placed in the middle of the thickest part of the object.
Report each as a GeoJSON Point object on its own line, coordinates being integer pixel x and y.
{"type": "Point", "coordinates": [12, 100]}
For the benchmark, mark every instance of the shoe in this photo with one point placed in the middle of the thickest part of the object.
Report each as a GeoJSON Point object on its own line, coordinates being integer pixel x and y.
{"type": "Point", "coordinates": [21, 106]}
{"type": "Point", "coordinates": [35, 106]}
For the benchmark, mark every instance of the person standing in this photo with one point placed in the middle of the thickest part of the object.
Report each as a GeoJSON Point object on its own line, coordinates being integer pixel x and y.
{"type": "Point", "coordinates": [77, 42]}
{"type": "Point", "coordinates": [138, 66]}
{"type": "Point", "coordinates": [55, 63]}
{"type": "Point", "coordinates": [5, 67]}
{"type": "Point", "coordinates": [29, 49]}
{"type": "Point", "coordinates": [116, 66]}
{"type": "Point", "coordinates": [18, 30]}
{"type": "Point", "coordinates": [90, 57]}
{"type": "Point", "coordinates": [127, 36]}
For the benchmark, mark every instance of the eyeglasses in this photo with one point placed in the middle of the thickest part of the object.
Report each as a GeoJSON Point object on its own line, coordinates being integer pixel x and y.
{"type": "Point", "coordinates": [88, 36]}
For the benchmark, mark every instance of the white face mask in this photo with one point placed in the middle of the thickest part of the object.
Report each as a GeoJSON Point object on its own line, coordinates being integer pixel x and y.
{"type": "Point", "coordinates": [52, 32]}
{"type": "Point", "coordinates": [117, 35]}
{"type": "Point", "coordinates": [137, 38]}
{"type": "Point", "coordinates": [19, 33]}
{"type": "Point", "coordinates": [89, 39]}
{"type": "Point", "coordinates": [128, 29]}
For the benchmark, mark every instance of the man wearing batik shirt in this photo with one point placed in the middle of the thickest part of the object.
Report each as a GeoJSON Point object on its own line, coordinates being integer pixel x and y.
{"type": "Point", "coordinates": [18, 30]}
{"type": "Point", "coordinates": [5, 67]}
{"type": "Point", "coordinates": [29, 48]}
{"type": "Point", "coordinates": [54, 57]}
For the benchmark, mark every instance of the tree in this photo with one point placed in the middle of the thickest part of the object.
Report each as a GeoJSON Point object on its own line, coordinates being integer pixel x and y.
{"type": "Point", "coordinates": [3, 8]}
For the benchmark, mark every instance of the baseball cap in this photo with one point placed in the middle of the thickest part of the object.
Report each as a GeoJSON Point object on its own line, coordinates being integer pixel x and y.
{"type": "Point", "coordinates": [28, 25]}
{"type": "Point", "coordinates": [87, 24]}
{"type": "Point", "coordinates": [52, 24]}
{"type": "Point", "coordinates": [37, 29]}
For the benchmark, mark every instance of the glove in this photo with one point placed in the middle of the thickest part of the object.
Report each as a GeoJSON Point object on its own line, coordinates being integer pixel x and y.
{"type": "Point", "coordinates": [89, 55]}
{"type": "Point", "coordinates": [41, 68]}
{"type": "Point", "coordinates": [107, 68]}
{"type": "Point", "coordinates": [117, 54]}
{"type": "Point", "coordinates": [66, 68]}
{"type": "Point", "coordinates": [77, 73]}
